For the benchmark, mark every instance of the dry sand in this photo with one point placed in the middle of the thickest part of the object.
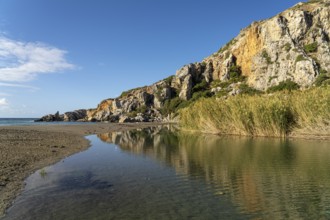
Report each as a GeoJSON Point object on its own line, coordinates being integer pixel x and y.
{"type": "Point", "coordinates": [25, 149]}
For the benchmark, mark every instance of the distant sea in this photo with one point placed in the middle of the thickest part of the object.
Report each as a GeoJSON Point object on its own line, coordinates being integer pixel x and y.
{"type": "Point", "coordinates": [30, 121]}
{"type": "Point", "coordinates": [16, 121]}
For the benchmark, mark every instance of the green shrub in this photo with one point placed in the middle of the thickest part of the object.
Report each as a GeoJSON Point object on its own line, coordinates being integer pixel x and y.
{"type": "Point", "coordinates": [224, 48]}
{"type": "Point", "coordinates": [321, 79]}
{"type": "Point", "coordinates": [313, 1]}
{"type": "Point", "coordinates": [43, 173]}
{"type": "Point", "coordinates": [265, 55]}
{"type": "Point", "coordinates": [287, 47]}
{"type": "Point", "coordinates": [218, 83]}
{"type": "Point", "coordinates": [171, 105]}
{"type": "Point", "coordinates": [168, 80]}
{"type": "Point", "coordinates": [183, 104]}
{"type": "Point", "coordinates": [245, 89]}
{"type": "Point", "coordinates": [323, 71]}
{"type": "Point", "coordinates": [132, 114]}
{"type": "Point", "coordinates": [124, 94]}
{"type": "Point", "coordinates": [235, 72]}
{"type": "Point", "coordinates": [300, 58]}
{"type": "Point", "coordinates": [222, 93]}
{"type": "Point", "coordinates": [215, 83]}
{"type": "Point", "coordinates": [284, 85]}
{"type": "Point", "coordinates": [201, 94]}
{"type": "Point", "coordinates": [142, 109]}
{"type": "Point", "coordinates": [202, 86]}
{"type": "Point", "coordinates": [310, 48]}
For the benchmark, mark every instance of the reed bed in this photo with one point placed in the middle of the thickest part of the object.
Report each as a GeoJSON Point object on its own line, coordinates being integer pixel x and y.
{"type": "Point", "coordinates": [277, 114]}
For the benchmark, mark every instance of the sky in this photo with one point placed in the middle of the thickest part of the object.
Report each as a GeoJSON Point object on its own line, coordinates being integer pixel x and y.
{"type": "Point", "coordinates": [63, 55]}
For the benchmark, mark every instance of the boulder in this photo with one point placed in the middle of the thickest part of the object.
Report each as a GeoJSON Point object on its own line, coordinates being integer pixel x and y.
{"type": "Point", "coordinates": [51, 118]}
{"type": "Point", "coordinates": [75, 115]}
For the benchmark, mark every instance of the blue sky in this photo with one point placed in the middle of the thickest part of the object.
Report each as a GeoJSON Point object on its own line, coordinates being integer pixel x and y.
{"type": "Point", "coordinates": [62, 55]}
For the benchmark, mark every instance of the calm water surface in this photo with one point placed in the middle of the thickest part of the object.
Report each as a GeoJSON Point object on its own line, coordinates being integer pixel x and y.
{"type": "Point", "coordinates": [16, 121]}
{"type": "Point", "coordinates": [30, 121]}
{"type": "Point", "coordinates": [158, 174]}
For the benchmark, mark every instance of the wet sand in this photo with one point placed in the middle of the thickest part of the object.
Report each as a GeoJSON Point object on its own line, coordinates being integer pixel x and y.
{"type": "Point", "coordinates": [25, 149]}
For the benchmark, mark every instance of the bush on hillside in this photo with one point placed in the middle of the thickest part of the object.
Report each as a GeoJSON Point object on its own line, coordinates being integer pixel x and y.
{"type": "Point", "coordinates": [202, 86]}
{"type": "Point", "coordinates": [284, 85]}
{"type": "Point", "coordinates": [322, 79]}
{"type": "Point", "coordinates": [310, 48]}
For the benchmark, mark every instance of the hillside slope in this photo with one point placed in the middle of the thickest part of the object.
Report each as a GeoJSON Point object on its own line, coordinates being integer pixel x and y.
{"type": "Point", "coordinates": [291, 48]}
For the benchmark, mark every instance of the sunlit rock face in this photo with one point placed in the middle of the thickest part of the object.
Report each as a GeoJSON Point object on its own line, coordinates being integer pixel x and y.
{"type": "Point", "coordinates": [292, 45]}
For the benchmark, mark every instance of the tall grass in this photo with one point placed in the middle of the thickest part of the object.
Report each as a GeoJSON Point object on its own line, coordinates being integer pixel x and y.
{"type": "Point", "coordinates": [276, 114]}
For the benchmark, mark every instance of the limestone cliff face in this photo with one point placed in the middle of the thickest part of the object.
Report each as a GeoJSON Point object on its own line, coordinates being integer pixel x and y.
{"type": "Point", "coordinates": [148, 103]}
{"type": "Point", "coordinates": [135, 105]}
{"type": "Point", "coordinates": [293, 45]}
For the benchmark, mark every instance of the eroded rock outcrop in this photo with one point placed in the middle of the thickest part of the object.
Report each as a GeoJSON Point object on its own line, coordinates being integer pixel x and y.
{"type": "Point", "coordinates": [78, 115]}
{"type": "Point", "coordinates": [291, 46]}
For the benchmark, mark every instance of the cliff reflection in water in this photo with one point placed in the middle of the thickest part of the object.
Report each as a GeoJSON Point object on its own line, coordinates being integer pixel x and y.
{"type": "Point", "coordinates": [282, 178]}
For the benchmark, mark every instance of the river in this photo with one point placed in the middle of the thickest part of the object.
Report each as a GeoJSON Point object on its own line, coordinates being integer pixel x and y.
{"type": "Point", "coordinates": [159, 173]}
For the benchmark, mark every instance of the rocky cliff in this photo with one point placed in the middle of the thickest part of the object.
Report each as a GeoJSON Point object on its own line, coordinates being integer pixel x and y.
{"type": "Point", "coordinates": [291, 47]}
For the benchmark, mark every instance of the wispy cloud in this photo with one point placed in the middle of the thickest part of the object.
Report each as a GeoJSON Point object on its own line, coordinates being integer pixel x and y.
{"type": "Point", "coordinates": [18, 86]}
{"type": "Point", "coordinates": [23, 61]}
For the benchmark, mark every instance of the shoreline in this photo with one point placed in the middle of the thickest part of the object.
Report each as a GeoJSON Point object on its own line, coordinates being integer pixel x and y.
{"type": "Point", "coordinates": [26, 149]}
{"type": "Point", "coordinates": [300, 135]}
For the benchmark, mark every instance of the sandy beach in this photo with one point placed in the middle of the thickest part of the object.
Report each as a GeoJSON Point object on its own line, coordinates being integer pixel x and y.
{"type": "Point", "coordinates": [25, 149]}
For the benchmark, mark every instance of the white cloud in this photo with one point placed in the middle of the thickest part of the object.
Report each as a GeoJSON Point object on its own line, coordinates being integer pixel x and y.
{"type": "Point", "coordinates": [22, 61]}
{"type": "Point", "coordinates": [3, 102]}
{"type": "Point", "coordinates": [18, 86]}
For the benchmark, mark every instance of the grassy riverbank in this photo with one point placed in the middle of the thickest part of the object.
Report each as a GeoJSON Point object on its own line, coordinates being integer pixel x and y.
{"type": "Point", "coordinates": [279, 114]}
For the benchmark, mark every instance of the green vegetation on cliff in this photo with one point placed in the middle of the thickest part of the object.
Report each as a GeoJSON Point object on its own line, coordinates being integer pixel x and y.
{"type": "Point", "coordinates": [277, 114]}
{"type": "Point", "coordinates": [284, 85]}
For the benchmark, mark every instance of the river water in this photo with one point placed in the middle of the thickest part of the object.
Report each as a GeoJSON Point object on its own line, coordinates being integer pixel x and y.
{"type": "Point", "coordinates": [158, 173]}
